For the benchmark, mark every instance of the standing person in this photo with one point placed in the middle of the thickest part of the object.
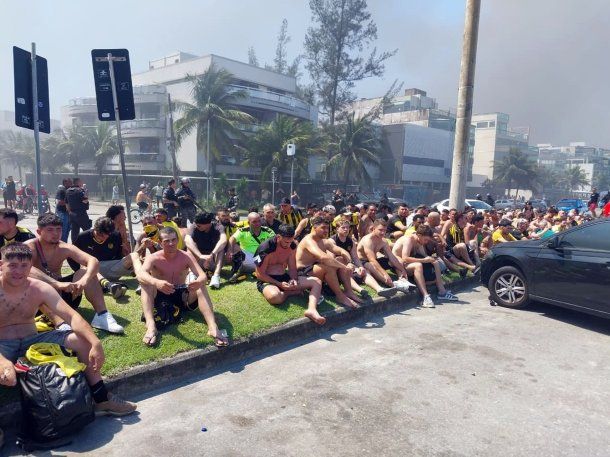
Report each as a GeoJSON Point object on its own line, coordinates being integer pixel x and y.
{"type": "Point", "coordinates": [295, 199]}
{"type": "Point", "coordinates": [61, 208]}
{"type": "Point", "coordinates": [158, 193]}
{"type": "Point", "coordinates": [115, 194]}
{"type": "Point", "coordinates": [593, 201]}
{"type": "Point", "coordinates": [78, 204]}
{"type": "Point", "coordinates": [489, 200]}
{"type": "Point", "coordinates": [186, 200]}
{"type": "Point", "coordinates": [233, 200]}
{"type": "Point", "coordinates": [170, 201]}
{"type": "Point", "coordinates": [10, 193]}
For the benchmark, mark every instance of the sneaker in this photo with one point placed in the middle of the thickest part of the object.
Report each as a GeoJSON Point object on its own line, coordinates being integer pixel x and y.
{"type": "Point", "coordinates": [403, 285]}
{"type": "Point", "coordinates": [428, 303]}
{"type": "Point", "coordinates": [117, 290]}
{"type": "Point", "coordinates": [387, 292]}
{"type": "Point", "coordinates": [64, 327]}
{"type": "Point", "coordinates": [215, 282]}
{"type": "Point", "coordinates": [106, 322]}
{"type": "Point", "coordinates": [364, 294]}
{"type": "Point", "coordinates": [447, 296]}
{"type": "Point", "coordinates": [114, 406]}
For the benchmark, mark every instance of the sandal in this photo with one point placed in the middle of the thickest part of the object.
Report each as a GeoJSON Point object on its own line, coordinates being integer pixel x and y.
{"type": "Point", "coordinates": [150, 339]}
{"type": "Point", "coordinates": [221, 340]}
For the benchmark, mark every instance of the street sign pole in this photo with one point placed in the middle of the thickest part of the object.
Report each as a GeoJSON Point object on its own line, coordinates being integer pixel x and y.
{"type": "Point", "coordinates": [117, 119]}
{"type": "Point", "coordinates": [291, 151]}
{"type": "Point", "coordinates": [273, 177]}
{"type": "Point", "coordinates": [38, 178]}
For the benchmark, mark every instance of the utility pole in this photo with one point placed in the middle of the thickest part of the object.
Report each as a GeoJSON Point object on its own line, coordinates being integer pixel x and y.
{"type": "Point", "coordinates": [172, 139]}
{"type": "Point", "coordinates": [457, 194]}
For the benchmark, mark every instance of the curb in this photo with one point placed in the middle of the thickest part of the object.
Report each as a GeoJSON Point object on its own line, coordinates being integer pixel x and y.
{"type": "Point", "coordinates": [146, 378]}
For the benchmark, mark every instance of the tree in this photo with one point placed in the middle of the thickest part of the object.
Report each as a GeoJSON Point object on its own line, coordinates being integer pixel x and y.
{"type": "Point", "coordinates": [515, 169]}
{"type": "Point", "coordinates": [213, 110]}
{"type": "Point", "coordinates": [280, 62]}
{"type": "Point", "coordinates": [74, 144]}
{"type": "Point", "coordinates": [101, 145]}
{"type": "Point", "coordinates": [574, 178]}
{"type": "Point", "coordinates": [267, 148]}
{"type": "Point", "coordinates": [354, 145]}
{"type": "Point", "coordinates": [546, 179]}
{"type": "Point", "coordinates": [343, 28]}
{"type": "Point", "coordinates": [252, 59]}
{"type": "Point", "coordinates": [52, 158]}
{"type": "Point", "coordinates": [19, 149]}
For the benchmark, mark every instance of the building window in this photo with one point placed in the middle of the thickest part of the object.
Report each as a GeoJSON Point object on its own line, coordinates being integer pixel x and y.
{"type": "Point", "coordinates": [149, 145]}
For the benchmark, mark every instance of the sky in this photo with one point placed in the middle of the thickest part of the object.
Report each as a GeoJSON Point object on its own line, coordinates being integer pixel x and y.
{"type": "Point", "coordinates": [543, 62]}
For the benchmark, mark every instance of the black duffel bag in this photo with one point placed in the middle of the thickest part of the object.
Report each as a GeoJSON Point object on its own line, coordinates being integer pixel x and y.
{"type": "Point", "coordinates": [53, 406]}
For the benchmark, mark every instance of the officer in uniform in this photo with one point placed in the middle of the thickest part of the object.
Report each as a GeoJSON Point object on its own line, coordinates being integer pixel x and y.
{"type": "Point", "coordinates": [186, 200]}
{"type": "Point", "coordinates": [78, 204]}
{"type": "Point", "coordinates": [170, 201]}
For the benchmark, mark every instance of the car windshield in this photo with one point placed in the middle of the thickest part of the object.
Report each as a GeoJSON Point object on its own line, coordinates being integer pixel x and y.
{"type": "Point", "coordinates": [478, 204]}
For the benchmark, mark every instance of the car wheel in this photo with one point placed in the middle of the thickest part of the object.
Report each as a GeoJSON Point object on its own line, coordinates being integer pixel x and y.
{"type": "Point", "coordinates": [508, 287]}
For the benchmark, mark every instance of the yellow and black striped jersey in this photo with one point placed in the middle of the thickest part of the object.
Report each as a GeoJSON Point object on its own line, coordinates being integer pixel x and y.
{"type": "Point", "coordinates": [292, 218]}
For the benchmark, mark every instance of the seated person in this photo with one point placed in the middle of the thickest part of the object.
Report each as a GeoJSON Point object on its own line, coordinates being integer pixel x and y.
{"type": "Point", "coordinates": [162, 277]}
{"type": "Point", "coordinates": [105, 244]}
{"type": "Point", "coordinates": [9, 230]}
{"type": "Point", "coordinates": [474, 235]}
{"type": "Point", "coordinates": [453, 233]}
{"type": "Point", "coordinates": [370, 246]}
{"type": "Point", "coordinates": [243, 244]}
{"type": "Point", "coordinates": [18, 329]}
{"type": "Point", "coordinates": [117, 214]}
{"type": "Point", "coordinates": [343, 239]}
{"type": "Point", "coordinates": [49, 254]}
{"type": "Point", "coordinates": [272, 258]}
{"type": "Point", "coordinates": [424, 268]}
{"type": "Point", "coordinates": [502, 233]}
{"type": "Point", "coordinates": [181, 223]}
{"type": "Point", "coordinates": [366, 221]}
{"type": "Point", "coordinates": [206, 241]}
{"type": "Point", "coordinates": [269, 219]}
{"type": "Point", "coordinates": [161, 218]}
{"type": "Point", "coordinates": [316, 257]}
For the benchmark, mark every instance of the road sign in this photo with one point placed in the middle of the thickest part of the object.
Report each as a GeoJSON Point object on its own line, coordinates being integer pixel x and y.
{"type": "Point", "coordinates": [24, 99]}
{"type": "Point", "coordinates": [103, 89]}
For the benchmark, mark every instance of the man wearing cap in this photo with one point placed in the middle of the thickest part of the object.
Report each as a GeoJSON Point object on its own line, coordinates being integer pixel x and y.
{"type": "Point", "coordinates": [502, 233]}
{"type": "Point", "coordinates": [272, 258]}
{"type": "Point", "coordinates": [186, 200]}
{"type": "Point", "coordinates": [206, 241]}
{"type": "Point", "coordinates": [170, 201]}
{"type": "Point", "coordinates": [289, 215]}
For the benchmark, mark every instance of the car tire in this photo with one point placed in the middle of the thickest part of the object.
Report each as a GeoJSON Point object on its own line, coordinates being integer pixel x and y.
{"type": "Point", "coordinates": [508, 287]}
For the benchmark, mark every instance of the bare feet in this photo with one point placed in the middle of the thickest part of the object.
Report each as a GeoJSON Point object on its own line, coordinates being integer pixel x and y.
{"type": "Point", "coordinates": [354, 297]}
{"type": "Point", "coordinates": [315, 317]}
{"type": "Point", "coordinates": [150, 337]}
{"type": "Point", "coordinates": [348, 302]}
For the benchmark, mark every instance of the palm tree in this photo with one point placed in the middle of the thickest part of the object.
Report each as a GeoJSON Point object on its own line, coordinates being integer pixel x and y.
{"type": "Point", "coordinates": [574, 178]}
{"type": "Point", "coordinates": [74, 144]}
{"type": "Point", "coordinates": [101, 145]}
{"type": "Point", "coordinates": [52, 157]}
{"type": "Point", "coordinates": [515, 169]}
{"type": "Point", "coordinates": [19, 149]}
{"type": "Point", "coordinates": [354, 145]}
{"type": "Point", "coordinates": [267, 148]}
{"type": "Point", "coordinates": [213, 111]}
{"type": "Point", "coordinates": [546, 179]}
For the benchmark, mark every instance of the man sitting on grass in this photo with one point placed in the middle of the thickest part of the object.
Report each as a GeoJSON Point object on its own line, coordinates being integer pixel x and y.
{"type": "Point", "coordinates": [272, 258]}
{"type": "Point", "coordinates": [375, 243]}
{"type": "Point", "coordinates": [206, 241]}
{"type": "Point", "coordinates": [316, 257]}
{"type": "Point", "coordinates": [22, 298]}
{"type": "Point", "coordinates": [163, 276]}
{"type": "Point", "coordinates": [106, 245]}
{"type": "Point", "coordinates": [49, 254]}
{"type": "Point", "coordinates": [243, 245]}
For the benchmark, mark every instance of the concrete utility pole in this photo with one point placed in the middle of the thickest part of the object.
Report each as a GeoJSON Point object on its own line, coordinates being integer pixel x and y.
{"type": "Point", "coordinates": [457, 193]}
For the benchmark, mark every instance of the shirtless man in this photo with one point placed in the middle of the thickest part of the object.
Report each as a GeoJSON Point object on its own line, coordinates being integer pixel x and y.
{"type": "Point", "coordinates": [142, 199]}
{"type": "Point", "coordinates": [48, 256]}
{"type": "Point", "coordinates": [366, 221]}
{"type": "Point", "coordinates": [316, 256]}
{"type": "Point", "coordinates": [272, 258]}
{"type": "Point", "coordinates": [425, 268]}
{"type": "Point", "coordinates": [375, 243]}
{"type": "Point", "coordinates": [160, 277]}
{"type": "Point", "coordinates": [20, 299]}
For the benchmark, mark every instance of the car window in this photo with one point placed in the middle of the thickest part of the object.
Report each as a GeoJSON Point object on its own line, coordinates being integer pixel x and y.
{"type": "Point", "coordinates": [590, 237]}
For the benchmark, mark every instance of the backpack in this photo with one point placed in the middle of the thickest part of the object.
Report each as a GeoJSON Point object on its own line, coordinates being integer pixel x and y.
{"type": "Point", "coordinates": [53, 405]}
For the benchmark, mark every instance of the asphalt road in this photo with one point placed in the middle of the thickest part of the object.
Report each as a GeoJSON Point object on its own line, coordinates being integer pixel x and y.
{"type": "Point", "coordinates": [463, 379]}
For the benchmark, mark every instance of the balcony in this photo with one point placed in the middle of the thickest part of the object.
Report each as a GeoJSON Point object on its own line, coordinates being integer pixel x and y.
{"type": "Point", "coordinates": [273, 101]}
{"type": "Point", "coordinates": [143, 128]}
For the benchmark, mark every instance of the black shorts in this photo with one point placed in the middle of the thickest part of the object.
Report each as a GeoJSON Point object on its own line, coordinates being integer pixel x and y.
{"type": "Point", "coordinates": [142, 205]}
{"type": "Point", "coordinates": [67, 296]}
{"type": "Point", "coordinates": [179, 298]}
{"type": "Point", "coordinates": [384, 262]}
{"type": "Point", "coordinates": [260, 285]}
{"type": "Point", "coordinates": [306, 271]}
{"type": "Point", "coordinates": [429, 272]}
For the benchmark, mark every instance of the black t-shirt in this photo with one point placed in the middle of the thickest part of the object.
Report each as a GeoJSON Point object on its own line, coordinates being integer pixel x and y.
{"type": "Point", "coordinates": [392, 223]}
{"type": "Point", "coordinates": [169, 194]}
{"type": "Point", "coordinates": [75, 197]}
{"type": "Point", "coordinates": [275, 225]}
{"type": "Point", "coordinates": [594, 198]}
{"type": "Point", "coordinates": [186, 202]}
{"type": "Point", "coordinates": [111, 249]}
{"type": "Point", "coordinates": [22, 236]}
{"type": "Point", "coordinates": [61, 195]}
{"type": "Point", "coordinates": [206, 241]}
{"type": "Point", "coordinates": [348, 244]}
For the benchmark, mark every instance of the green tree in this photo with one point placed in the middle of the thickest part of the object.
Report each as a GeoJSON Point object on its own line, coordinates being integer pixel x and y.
{"type": "Point", "coordinates": [53, 158]}
{"type": "Point", "coordinates": [354, 144]}
{"type": "Point", "coordinates": [334, 47]}
{"type": "Point", "coordinates": [546, 179]}
{"type": "Point", "coordinates": [515, 170]}
{"type": "Point", "coordinates": [213, 110]}
{"type": "Point", "coordinates": [267, 148]}
{"type": "Point", "coordinates": [19, 149]}
{"type": "Point", "coordinates": [74, 144]}
{"type": "Point", "coordinates": [574, 178]}
{"type": "Point", "coordinates": [100, 146]}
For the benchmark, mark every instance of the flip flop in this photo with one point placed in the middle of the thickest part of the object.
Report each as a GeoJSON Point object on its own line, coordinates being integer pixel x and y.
{"type": "Point", "coordinates": [150, 340]}
{"type": "Point", "coordinates": [220, 340]}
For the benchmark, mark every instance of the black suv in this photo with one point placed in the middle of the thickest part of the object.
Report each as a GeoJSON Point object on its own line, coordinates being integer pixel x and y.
{"type": "Point", "coordinates": [570, 269]}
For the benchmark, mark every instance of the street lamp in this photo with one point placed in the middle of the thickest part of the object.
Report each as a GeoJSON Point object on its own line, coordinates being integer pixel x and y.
{"type": "Point", "coordinates": [291, 150]}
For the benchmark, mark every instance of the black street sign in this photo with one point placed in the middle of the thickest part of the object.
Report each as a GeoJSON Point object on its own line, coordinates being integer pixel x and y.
{"type": "Point", "coordinates": [24, 115]}
{"type": "Point", "coordinates": [103, 88]}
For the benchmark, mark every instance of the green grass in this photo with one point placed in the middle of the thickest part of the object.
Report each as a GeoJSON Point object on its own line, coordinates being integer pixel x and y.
{"type": "Point", "coordinates": [239, 308]}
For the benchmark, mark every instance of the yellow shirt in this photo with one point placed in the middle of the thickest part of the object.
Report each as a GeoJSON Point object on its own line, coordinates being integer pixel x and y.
{"type": "Point", "coordinates": [499, 237]}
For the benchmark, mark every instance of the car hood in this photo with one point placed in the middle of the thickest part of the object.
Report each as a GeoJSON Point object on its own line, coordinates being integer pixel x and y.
{"type": "Point", "coordinates": [518, 244]}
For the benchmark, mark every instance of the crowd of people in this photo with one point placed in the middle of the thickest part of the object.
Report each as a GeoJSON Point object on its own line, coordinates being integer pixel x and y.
{"type": "Point", "coordinates": [182, 249]}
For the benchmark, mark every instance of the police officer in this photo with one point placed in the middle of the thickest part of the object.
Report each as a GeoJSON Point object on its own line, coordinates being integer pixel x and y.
{"type": "Point", "coordinates": [186, 200]}
{"type": "Point", "coordinates": [170, 201]}
{"type": "Point", "coordinates": [78, 204]}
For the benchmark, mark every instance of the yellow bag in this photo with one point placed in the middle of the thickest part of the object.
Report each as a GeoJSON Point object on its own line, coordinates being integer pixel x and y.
{"type": "Point", "coordinates": [44, 353]}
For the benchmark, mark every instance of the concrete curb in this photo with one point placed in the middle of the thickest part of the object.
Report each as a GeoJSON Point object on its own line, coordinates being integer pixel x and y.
{"type": "Point", "coordinates": [145, 378]}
